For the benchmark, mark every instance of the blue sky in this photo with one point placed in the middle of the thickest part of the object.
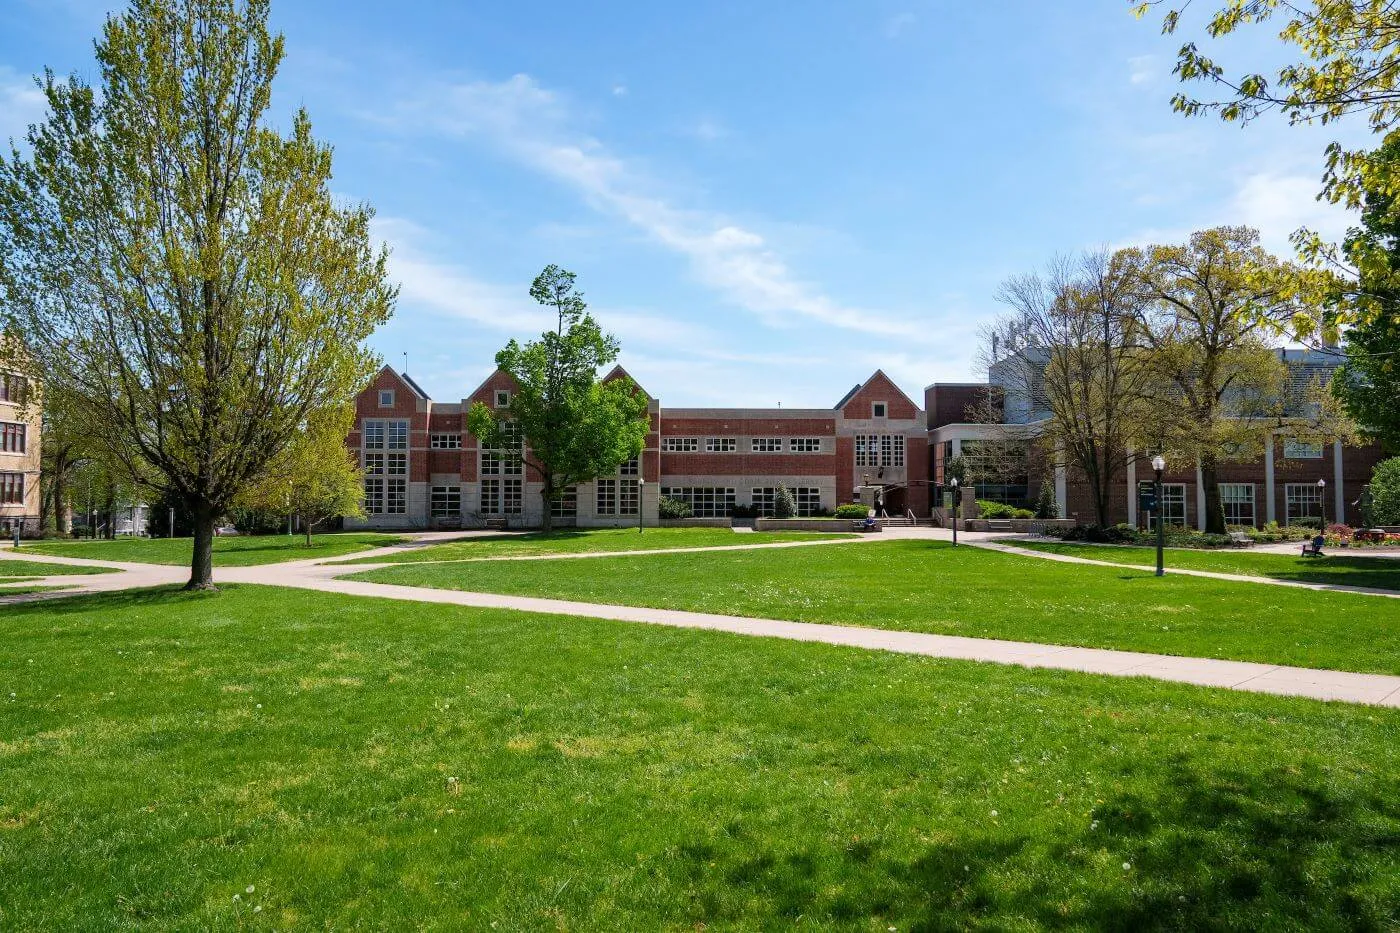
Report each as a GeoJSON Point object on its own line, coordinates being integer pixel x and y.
{"type": "Point", "coordinates": [765, 202]}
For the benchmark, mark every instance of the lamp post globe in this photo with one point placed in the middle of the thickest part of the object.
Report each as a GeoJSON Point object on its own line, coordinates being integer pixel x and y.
{"type": "Point", "coordinates": [1159, 464]}
{"type": "Point", "coordinates": [641, 484]}
{"type": "Point", "coordinates": [1322, 506]}
{"type": "Point", "coordinates": [954, 483]}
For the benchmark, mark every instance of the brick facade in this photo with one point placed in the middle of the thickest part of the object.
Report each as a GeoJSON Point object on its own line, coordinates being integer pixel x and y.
{"type": "Point", "coordinates": [19, 455]}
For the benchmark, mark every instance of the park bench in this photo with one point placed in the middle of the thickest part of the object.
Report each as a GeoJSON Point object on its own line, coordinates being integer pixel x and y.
{"type": "Point", "coordinates": [1239, 539]}
{"type": "Point", "coordinates": [497, 524]}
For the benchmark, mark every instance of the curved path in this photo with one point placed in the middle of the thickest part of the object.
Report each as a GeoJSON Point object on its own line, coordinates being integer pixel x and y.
{"type": "Point", "coordinates": [1378, 689]}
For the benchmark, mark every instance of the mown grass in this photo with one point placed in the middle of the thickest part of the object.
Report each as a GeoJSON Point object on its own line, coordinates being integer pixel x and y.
{"type": "Point", "coordinates": [240, 551]}
{"type": "Point", "coordinates": [177, 760]}
{"type": "Point", "coordinates": [24, 588]}
{"type": "Point", "coordinates": [589, 540]}
{"type": "Point", "coordinates": [19, 567]}
{"type": "Point", "coordinates": [1336, 566]}
{"type": "Point", "coordinates": [929, 586]}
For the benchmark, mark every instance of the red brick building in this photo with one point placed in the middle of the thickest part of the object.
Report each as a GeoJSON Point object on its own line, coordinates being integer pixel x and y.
{"type": "Point", "coordinates": [424, 469]}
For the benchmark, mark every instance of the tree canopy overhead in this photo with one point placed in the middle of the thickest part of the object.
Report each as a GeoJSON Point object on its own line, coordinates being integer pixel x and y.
{"type": "Point", "coordinates": [179, 264]}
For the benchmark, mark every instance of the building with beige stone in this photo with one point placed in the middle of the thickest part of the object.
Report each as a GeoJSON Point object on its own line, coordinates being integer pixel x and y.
{"type": "Point", "coordinates": [19, 455]}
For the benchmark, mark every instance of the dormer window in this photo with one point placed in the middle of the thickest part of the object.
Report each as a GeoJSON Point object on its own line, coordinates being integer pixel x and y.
{"type": "Point", "coordinates": [386, 398]}
{"type": "Point", "coordinates": [879, 409]}
{"type": "Point", "coordinates": [502, 398]}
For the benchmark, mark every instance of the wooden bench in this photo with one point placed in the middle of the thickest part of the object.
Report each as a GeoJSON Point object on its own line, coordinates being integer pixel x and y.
{"type": "Point", "coordinates": [1239, 539]}
{"type": "Point", "coordinates": [497, 524]}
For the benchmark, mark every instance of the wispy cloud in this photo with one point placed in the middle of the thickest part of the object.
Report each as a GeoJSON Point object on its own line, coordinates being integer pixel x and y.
{"type": "Point", "coordinates": [1143, 69]}
{"type": "Point", "coordinates": [533, 125]}
{"type": "Point", "coordinates": [21, 103]}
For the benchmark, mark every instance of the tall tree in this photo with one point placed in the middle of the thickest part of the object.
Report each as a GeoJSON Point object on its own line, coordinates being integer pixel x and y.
{"type": "Point", "coordinates": [1369, 383]}
{"type": "Point", "coordinates": [179, 264]}
{"type": "Point", "coordinates": [315, 478]}
{"type": "Point", "coordinates": [1075, 364]}
{"type": "Point", "coordinates": [574, 427]}
{"type": "Point", "coordinates": [1216, 383]}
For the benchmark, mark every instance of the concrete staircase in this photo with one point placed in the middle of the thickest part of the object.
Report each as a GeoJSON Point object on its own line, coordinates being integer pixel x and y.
{"type": "Point", "coordinates": [904, 521]}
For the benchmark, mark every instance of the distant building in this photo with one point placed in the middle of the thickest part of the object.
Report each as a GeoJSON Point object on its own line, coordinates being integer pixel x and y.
{"type": "Point", "coordinates": [19, 456]}
{"type": "Point", "coordinates": [424, 469]}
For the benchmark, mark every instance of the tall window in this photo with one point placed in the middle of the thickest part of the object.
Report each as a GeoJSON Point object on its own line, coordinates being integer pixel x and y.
{"type": "Point", "coordinates": [762, 498]}
{"type": "Point", "coordinates": [445, 501]}
{"type": "Point", "coordinates": [386, 476]}
{"type": "Point", "coordinates": [12, 387]}
{"type": "Point", "coordinates": [500, 463]}
{"type": "Point", "coordinates": [12, 436]}
{"type": "Point", "coordinates": [629, 467]}
{"type": "Point", "coordinates": [629, 497]}
{"type": "Point", "coordinates": [878, 450]}
{"type": "Point", "coordinates": [374, 435]}
{"type": "Point", "coordinates": [1301, 500]}
{"type": "Point", "coordinates": [398, 435]}
{"type": "Point", "coordinates": [1237, 501]}
{"type": "Point", "coordinates": [395, 496]}
{"type": "Point", "coordinates": [501, 497]}
{"type": "Point", "coordinates": [566, 506]}
{"type": "Point", "coordinates": [11, 488]}
{"type": "Point", "coordinates": [1174, 503]}
{"type": "Point", "coordinates": [606, 496]}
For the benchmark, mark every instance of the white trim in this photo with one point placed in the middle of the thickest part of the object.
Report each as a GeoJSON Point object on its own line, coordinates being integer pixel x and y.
{"type": "Point", "coordinates": [1270, 508]}
{"type": "Point", "coordinates": [1339, 509]}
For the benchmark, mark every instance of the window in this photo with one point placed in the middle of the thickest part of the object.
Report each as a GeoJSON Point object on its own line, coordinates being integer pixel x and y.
{"type": "Point", "coordinates": [766, 445]}
{"type": "Point", "coordinates": [396, 496]}
{"type": "Point", "coordinates": [680, 445]}
{"type": "Point", "coordinates": [374, 435]}
{"type": "Point", "coordinates": [1301, 500]}
{"type": "Point", "coordinates": [386, 398]}
{"type": "Point", "coordinates": [12, 488]}
{"type": "Point", "coordinates": [878, 450]}
{"type": "Point", "coordinates": [396, 464]}
{"type": "Point", "coordinates": [445, 441]}
{"type": "Point", "coordinates": [386, 483]}
{"type": "Point", "coordinates": [1174, 503]}
{"type": "Point", "coordinates": [12, 387]}
{"type": "Point", "coordinates": [1294, 449]}
{"type": "Point", "coordinates": [502, 398]}
{"type": "Point", "coordinates": [721, 445]}
{"type": "Point", "coordinates": [374, 464]}
{"type": "Point", "coordinates": [501, 497]}
{"type": "Point", "coordinates": [628, 467]}
{"type": "Point", "coordinates": [704, 501]}
{"type": "Point", "coordinates": [808, 500]}
{"type": "Point", "coordinates": [445, 501]}
{"type": "Point", "coordinates": [1237, 500]}
{"type": "Point", "coordinates": [606, 496]}
{"type": "Point", "coordinates": [500, 463]}
{"type": "Point", "coordinates": [566, 506]}
{"type": "Point", "coordinates": [629, 497]}
{"type": "Point", "coordinates": [374, 496]}
{"type": "Point", "coordinates": [11, 437]}
{"type": "Point", "coordinates": [878, 409]}
{"type": "Point", "coordinates": [398, 435]}
{"type": "Point", "coordinates": [510, 435]}
{"type": "Point", "coordinates": [805, 445]}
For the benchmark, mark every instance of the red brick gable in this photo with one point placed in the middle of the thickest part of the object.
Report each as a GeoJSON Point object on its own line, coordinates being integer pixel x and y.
{"type": "Point", "coordinates": [880, 388]}
{"type": "Point", "coordinates": [405, 398]}
{"type": "Point", "coordinates": [486, 392]}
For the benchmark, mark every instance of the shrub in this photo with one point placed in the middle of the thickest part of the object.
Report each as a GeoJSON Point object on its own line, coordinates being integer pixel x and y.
{"type": "Point", "coordinates": [1273, 532]}
{"type": "Point", "coordinates": [1306, 522]}
{"type": "Point", "coordinates": [1022, 513]}
{"type": "Point", "coordinates": [1385, 492]}
{"type": "Point", "coordinates": [851, 510]}
{"type": "Point", "coordinates": [667, 507]}
{"type": "Point", "coordinates": [988, 509]}
{"type": "Point", "coordinates": [784, 505]}
{"type": "Point", "coordinates": [1045, 504]}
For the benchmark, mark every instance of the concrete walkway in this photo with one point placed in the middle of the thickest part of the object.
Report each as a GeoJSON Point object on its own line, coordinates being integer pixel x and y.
{"type": "Point", "coordinates": [313, 574]}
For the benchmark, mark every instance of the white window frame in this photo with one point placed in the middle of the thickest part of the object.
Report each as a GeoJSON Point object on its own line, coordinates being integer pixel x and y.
{"type": "Point", "coordinates": [721, 445]}
{"type": "Point", "coordinates": [1311, 493]}
{"type": "Point", "coordinates": [14, 429]}
{"type": "Point", "coordinates": [395, 496]}
{"type": "Point", "coordinates": [879, 410]}
{"type": "Point", "coordinates": [501, 398]}
{"type": "Point", "coordinates": [1175, 494]}
{"type": "Point", "coordinates": [566, 506]}
{"type": "Point", "coordinates": [396, 435]}
{"type": "Point", "coordinates": [630, 467]}
{"type": "Point", "coordinates": [386, 398]}
{"type": "Point", "coordinates": [443, 440]}
{"type": "Point", "coordinates": [605, 497]}
{"type": "Point", "coordinates": [805, 445]}
{"type": "Point", "coordinates": [680, 445]}
{"type": "Point", "coordinates": [766, 445]}
{"type": "Point", "coordinates": [374, 434]}
{"type": "Point", "coordinates": [445, 501]}
{"type": "Point", "coordinates": [704, 501]}
{"type": "Point", "coordinates": [1229, 503]}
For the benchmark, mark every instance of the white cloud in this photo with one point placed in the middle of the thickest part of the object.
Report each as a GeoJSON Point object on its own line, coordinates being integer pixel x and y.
{"type": "Point", "coordinates": [1143, 69]}
{"type": "Point", "coordinates": [532, 124]}
{"type": "Point", "coordinates": [21, 103]}
{"type": "Point", "coordinates": [1278, 204]}
{"type": "Point", "coordinates": [706, 129]}
{"type": "Point", "coordinates": [619, 90]}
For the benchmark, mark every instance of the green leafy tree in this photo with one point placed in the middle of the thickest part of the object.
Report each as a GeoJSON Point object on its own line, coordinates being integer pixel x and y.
{"type": "Point", "coordinates": [1385, 492]}
{"type": "Point", "coordinates": [574, 426]}
{"type": "Point", "coordinates": [315, 478]}
{"type": "Point", "coordinates": [1369, 383]}
{"type": "Point", "coordinates": [179, 265]}
{"type": "Point", "coordinates": [784, 505]}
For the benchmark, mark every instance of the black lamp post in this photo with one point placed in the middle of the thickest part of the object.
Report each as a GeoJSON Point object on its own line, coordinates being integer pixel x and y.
{"type": "Point", "coordinates": [954, 483]}
{"type": "Point", "coordinates": [1322, 506]}
{"type": "Point", "coordinates": [1159, 463]}
{"type": "Point", "coordinates": [641, 483]}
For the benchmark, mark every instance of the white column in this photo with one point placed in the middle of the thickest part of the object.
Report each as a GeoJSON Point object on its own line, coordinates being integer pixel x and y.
{"type": "Point", "coordinates": [957, 447]}
{"type": "Point", "coordinates": [1270, 510]}
{"type": "Point", "coordinates": [1132, 488]}
{"type": "Point", "coordinates": [1339, 508]}
{"type": "Point", "coordinates": [1200, 499]}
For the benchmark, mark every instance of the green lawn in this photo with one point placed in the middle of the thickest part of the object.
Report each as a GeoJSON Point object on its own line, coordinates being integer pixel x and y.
{"type": "Point", "coordinates": [19, 567]}
{"type": "Point", "coordinates": [929, 586]}
{"type": "Point", "coordinates": [182, 760]}
{"type": "Point", "coordinates": [240, 551]}
{"type": "Point", "coordinates": [1336, 567]}
{"type": "Point", "coordinates": [23, 589]}
{"type": "Point", "coordinates": [587, 540]}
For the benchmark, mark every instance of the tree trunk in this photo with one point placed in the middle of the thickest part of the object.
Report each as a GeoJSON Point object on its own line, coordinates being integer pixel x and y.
{"type": "Point", "coordinates": [306, 528]}
{"type": "Point", "coordinates": [1210, 483]}
{"type": "Point", "coordinates": [202, 563]}
{"type": "Point", "coordinates": [60, 494]}
{"type": "Point", "coordinates": [547, 493]}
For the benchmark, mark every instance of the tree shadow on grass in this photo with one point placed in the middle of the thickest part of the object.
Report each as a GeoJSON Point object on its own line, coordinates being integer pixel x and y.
{"type": "Point", "coordinates": [1208, 850]}
{"type": "Point", "coordinates": [153, 598]}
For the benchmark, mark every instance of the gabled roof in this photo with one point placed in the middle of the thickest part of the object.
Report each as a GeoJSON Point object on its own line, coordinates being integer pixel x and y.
{"type": "Point", "coordinates": [415, 386]}
{"type": "Point", "coordinates": [877, 374]}
{"type": "Point", "coordinates": [617, 371]}
{"type": "Point", "coordinates": [849, 395]}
